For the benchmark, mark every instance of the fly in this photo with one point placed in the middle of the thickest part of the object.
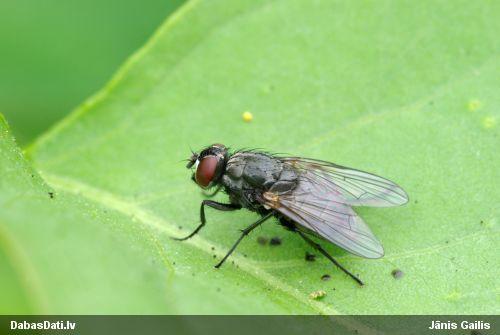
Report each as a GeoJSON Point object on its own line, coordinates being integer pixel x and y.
{"type": "Point", "coordinates": [307, 196]}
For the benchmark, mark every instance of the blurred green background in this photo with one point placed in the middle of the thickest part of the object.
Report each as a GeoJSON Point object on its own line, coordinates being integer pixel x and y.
{"type": "Point", "coordinates": [55, 53]}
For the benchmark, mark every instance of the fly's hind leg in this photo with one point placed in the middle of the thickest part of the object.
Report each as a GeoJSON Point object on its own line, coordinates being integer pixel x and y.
{"type": "Point", "coordinates": [327, 255]}
{"type": "Point", "coordinates": [213, 204]}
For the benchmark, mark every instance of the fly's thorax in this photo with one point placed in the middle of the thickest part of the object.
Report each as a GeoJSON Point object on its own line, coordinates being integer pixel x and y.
{"type": "Point", "coordinates": [248, 175]}
{"type": "Point", "coordinates": [261, 170]}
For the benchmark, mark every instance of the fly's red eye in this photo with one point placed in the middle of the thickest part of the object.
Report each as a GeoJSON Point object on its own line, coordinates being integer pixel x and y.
{"type": "Point", "coordinates": [206, 170]}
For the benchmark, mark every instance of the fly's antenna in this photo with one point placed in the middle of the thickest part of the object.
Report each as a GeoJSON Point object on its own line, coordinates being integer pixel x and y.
{"type": "Point", "coordinates": [192, 151]}
{"type": "Point", "coordinates": [191, 160]}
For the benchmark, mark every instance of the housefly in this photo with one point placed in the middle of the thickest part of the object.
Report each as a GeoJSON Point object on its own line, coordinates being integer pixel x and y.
{"type": "Point", "coordinates": [307, 196]}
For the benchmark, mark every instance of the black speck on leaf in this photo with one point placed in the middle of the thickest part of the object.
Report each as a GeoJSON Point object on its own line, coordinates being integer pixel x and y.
{"type": "Point", "coordinates": [262, 240]}
{"type": "Point", "coordinates": [397, 274]}
{"type": "Point", "coordinates": [325, 277]}
{"type": "Point", "coordinates": [275, 241]}
{"type": "Point", "coordinates": [180, 227]}
{"type": "Point", "coordinates": [51, 195]}
{"type": "Point", "coordinates": [310, 257]}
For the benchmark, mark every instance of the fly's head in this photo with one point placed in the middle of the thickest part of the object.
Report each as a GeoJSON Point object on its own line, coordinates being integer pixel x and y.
{"type": "Point", "coordinates": [208, 165]}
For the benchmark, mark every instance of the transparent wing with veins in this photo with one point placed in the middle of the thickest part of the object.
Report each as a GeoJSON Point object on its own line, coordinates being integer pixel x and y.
{"type": "Point", "coordinates": [354, 187]}
{"type": "Point", "coordinates": [321, 203]}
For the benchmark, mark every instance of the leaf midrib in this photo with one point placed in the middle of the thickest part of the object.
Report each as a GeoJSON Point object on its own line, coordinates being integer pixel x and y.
{"type": "Point", "coordinates": [145, 217]}
{"type": "Point", "coordinates": [158, 224]}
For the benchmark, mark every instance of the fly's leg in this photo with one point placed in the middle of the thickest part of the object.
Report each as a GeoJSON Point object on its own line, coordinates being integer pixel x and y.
{"type": "Point", "coordinates": [213, 204]}
{"type": "Point", "coordinates": [211, 195]}
{"type": "Point", "coordinates": [327, 255]}
{"type": "Point", "coordinates": [244, 233]}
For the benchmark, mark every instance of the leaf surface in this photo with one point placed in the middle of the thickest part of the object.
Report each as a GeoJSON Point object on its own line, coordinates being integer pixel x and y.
{"type": "Point", "coordinates": [406, 90]}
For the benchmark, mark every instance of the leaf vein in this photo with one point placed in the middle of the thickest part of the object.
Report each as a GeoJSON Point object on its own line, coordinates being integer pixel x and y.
{"type": "Point", "coordinates": [159, 224]}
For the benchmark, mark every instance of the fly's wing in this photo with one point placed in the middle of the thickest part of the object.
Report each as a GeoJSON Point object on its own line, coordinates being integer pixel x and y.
{"type": "Point", "coordinates": [351, 187]}
{"type": "Point", "coordinates": [320, 211]}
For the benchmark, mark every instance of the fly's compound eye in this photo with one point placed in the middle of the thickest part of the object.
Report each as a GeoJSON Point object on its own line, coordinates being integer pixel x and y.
{"type": "Point", "coordinates": [205, 171]}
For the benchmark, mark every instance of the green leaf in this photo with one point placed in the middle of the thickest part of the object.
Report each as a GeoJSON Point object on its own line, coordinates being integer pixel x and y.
{"type": "Point", "coordinates": [60, 254]}
{"type": "Point", "coordinates": [407, 90]}
{"type": "Point", "coordinates": [63, 255]}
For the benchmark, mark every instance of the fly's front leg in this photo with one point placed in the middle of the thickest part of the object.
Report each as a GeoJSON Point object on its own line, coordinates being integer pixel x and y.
{"type": "Point", "coordinates": [211, 195]}
{"type": "Point", "coordinates": [213, 204]}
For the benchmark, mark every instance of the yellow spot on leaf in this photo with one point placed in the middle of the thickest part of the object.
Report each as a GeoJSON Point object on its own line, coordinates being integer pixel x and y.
{"type": "Point", "coordinates": [489, 122]}
{"type": "Point", "coordinates": [454, 296]}
{"type": "Point", "coordinates": [474, 105]}
{"type": "Point", "coordinates": [317, 294]}
{"type": "Point", "coordinates": [247, 116]}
